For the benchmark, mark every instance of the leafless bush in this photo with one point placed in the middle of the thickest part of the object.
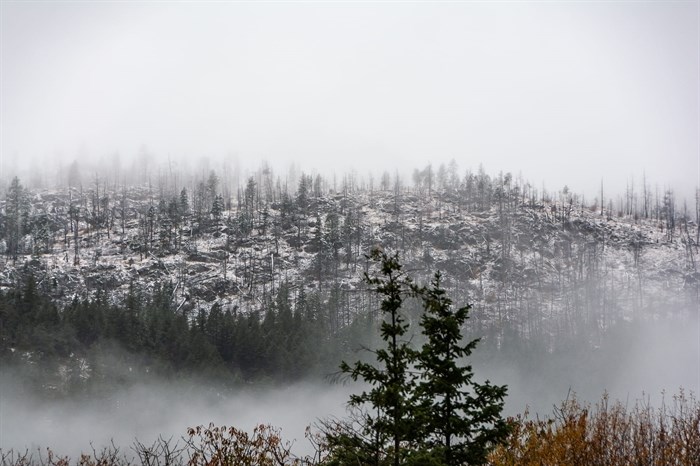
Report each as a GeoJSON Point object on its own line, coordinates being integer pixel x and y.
{"type": "Point", "coordinates": [107, 456]}
{"type": "Point", "coordinates": [161, 452]}
{"type": "Point", "coordinates": [223, 446]}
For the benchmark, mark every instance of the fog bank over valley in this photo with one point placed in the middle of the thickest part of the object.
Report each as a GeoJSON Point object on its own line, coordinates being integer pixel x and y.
{"type": "Point", "coordinates": [646, 360]}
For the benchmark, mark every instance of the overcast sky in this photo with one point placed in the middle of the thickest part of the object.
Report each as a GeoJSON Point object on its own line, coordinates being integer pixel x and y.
{"type": "Point", "coordinates": [565, 92]}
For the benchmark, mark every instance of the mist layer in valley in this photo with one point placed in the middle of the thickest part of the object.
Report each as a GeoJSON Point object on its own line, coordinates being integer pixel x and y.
{"type": "Point", "coordinates": [636, 360]}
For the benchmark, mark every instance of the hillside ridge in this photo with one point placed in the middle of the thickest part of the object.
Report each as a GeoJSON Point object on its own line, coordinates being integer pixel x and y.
{"type": "Point", "coordinates": [532, 265]}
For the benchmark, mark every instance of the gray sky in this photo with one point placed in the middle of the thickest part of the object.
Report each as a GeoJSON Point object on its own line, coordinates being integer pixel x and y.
{"type": "Point", "coordinates": [565, 92]}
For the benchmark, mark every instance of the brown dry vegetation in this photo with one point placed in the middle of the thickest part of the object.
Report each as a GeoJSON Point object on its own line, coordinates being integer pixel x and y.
{"type": "Point", "coordinates": [607, 433]}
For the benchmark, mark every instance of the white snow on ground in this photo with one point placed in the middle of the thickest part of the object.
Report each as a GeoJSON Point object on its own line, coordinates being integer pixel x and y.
{"type": "Point", "coordinates": [551, 264]}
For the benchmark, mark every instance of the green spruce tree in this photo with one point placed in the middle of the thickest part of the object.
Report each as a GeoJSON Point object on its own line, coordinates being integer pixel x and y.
{"type": "Point", "coordinates": [460, 418]}
{"type": "Point", "coordinates": [389, 419]}
{"type": "Point", "coordinates": [424, 406]}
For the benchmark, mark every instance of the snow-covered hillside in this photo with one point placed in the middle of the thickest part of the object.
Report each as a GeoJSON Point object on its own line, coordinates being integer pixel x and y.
{"type": "Point", "coordinates": [535, 268]}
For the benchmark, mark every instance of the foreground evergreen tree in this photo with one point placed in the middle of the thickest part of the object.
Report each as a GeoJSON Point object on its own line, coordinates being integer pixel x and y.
{"type": "Point", "coordinates": [461, 419]}
{"type": "Point", "coordinates": [391, 421]}
{"type": "Point", "coordinates": [424, 406]}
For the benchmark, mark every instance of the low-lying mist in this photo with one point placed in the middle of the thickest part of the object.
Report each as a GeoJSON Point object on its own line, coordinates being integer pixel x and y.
{"type": "Point", "coordinates": [636, 360]}
{"type": "Point", "coordinates": [146, 411]}
{"type": "Point", "coordinates": [649, 360]}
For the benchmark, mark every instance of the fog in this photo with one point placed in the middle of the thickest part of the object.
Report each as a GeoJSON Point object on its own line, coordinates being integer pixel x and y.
{"type": "Point", "coordinates": [636, 361]}
{"type": "Point", "coordinates": [147, 410]}
{"type": "Point", "coordinates": [566, 93]}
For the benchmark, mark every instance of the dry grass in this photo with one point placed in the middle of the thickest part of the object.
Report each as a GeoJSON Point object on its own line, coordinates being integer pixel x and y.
{"type": "Point", "coordinates": [608, 433]}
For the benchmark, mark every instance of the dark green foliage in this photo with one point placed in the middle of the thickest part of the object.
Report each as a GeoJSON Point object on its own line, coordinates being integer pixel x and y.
{"type": "Point", "coordinates": [303, 191]}
{"type": "Point", "coordinates": [390, 420]}
{"type": "Point", "coordinates": [424, 407]}
{"type": "Point", "coordinates": [460, 418]}
{"type": "Point", "coordinates": [28, 319]}
{"type": "Point", "coordinates": [250, 196]}
{"type": "Point", "coordinates": [217, 208]}
{"type": "Point", "coordinates": [183, 203]}
{"type": "Point", "coordinates": [290, 340]}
